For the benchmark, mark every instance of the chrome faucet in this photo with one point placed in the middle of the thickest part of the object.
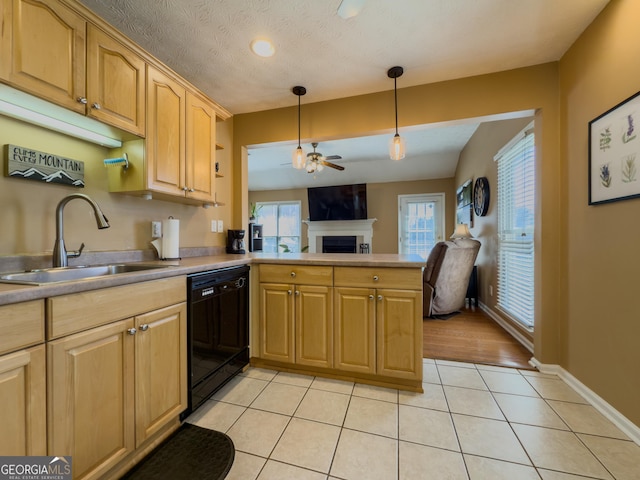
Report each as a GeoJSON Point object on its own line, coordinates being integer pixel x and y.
{"type": "Point", "coordinates": [60, 254]}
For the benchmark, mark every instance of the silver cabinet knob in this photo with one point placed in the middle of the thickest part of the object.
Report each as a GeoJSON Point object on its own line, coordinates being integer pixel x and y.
{"type": "Point", "coordinates": [184, 189]}
{"type": "Point", "coordinates": [192, 190]}
{"type": "Point", "coordinates": [370, 297]}
{"type": "Point", "coordinates": [81, 100]}
{"type": "Point", "coordinates": [293, 274]}
{"type": "Point", "coordinates": [379, 297]}
{"type": "Point", "coordinates": [376, 278]}
{"type": "Point", "coordinates": [144, 327]}
{"type": "Point", "coordinates": [132, 331]}
{"type": "Point", "coordinates": [96, 106]}
{"type": "Point", "coordinates": [289, 292]}
{"type": "Point", "coordinates": [297, 292]}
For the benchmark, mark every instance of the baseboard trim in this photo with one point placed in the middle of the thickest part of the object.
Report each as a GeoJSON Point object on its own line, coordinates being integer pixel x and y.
{"type": "Point", "coordinates": [526, 343]}
{"type": "Point", "coordinates": [618, 419]}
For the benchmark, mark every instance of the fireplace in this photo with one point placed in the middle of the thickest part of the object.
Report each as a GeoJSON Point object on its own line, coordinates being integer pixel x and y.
{"type": "Point", "coordinates": [361, 230]}
{"type": "Point", "coordinates": [339, 244]}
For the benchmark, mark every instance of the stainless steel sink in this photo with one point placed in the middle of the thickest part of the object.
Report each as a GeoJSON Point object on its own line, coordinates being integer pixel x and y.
{"type": "Point", "coordinates": [67, 274]}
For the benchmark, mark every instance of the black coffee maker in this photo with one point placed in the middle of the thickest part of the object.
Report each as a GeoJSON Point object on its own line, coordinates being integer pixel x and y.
{"type": "Point", "coordinates": [235, 241]}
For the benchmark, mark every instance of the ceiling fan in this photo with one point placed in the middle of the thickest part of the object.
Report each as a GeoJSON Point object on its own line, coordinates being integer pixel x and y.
{"type": "Point", "coordinates": [316, 161]}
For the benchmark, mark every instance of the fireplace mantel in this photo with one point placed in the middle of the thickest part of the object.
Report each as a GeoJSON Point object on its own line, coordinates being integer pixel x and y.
{"type": "Point", "coordinates": [362, 229]}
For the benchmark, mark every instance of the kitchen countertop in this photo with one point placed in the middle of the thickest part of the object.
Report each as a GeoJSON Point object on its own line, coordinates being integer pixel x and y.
{"type": "Point", "coordinates": [14, 293]}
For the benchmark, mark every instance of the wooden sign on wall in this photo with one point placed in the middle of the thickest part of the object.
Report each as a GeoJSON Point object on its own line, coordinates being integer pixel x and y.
{"type": "Point", "coordinates": [43, 167]}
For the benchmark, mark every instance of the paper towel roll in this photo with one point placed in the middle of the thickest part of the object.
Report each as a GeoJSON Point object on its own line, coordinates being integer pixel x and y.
{"type": "Point", "coordinates": [171, 238]}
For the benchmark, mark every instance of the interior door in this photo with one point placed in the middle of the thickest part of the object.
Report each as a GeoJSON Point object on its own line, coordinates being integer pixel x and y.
{"type": "Point", "coordinates": [420, 223]}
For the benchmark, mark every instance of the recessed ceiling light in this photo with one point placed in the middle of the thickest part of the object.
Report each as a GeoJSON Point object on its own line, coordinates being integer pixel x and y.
{"type": "Point", "coordinates": [262, 47]}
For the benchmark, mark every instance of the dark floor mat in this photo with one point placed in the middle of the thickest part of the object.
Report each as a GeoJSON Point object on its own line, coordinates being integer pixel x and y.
{"type": "Point", "coordinates": [190, 453]}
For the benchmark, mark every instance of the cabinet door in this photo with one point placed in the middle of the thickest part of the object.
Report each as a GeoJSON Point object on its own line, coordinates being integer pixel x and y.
{"type": "Point", "coordinates": [23, 399]}
{"type": "Point", "coordinates": [90, 382]}
{"type": "Point", "coordinates": [43, 50]}
{"type": "Point", "coordinates": [399, 319]}
{"type": "Point", "coordinates": [276, 322]}
{"type": "Point", "coordinates": [314, 325]}
{"type": "Point", "coordinates": [161, 368]}
{"type": "Point", "coordinates": [165, 134]}
{"type": "Point", "coordinates": [354, 336]}
{"type": "Point", "coordinates": [201, 149]}
{"type": "Point", "coordinates": [115, 82]}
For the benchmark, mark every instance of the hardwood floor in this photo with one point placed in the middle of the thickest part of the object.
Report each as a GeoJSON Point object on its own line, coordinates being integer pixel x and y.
{"type": "Point", "coordinates": [471, 336]}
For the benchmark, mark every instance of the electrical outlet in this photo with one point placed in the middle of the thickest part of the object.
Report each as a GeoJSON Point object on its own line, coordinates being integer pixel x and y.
{"type": "Point", "coordinates": [156, 229]}
{"type": "Point", "coordinates": [214, 226]}
{"type": "Point", "coordinates": [220, 226]}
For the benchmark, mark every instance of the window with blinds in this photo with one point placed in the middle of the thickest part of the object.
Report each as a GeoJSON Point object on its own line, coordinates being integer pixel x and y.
{"type": "Point", "coordinates": [516, 222]}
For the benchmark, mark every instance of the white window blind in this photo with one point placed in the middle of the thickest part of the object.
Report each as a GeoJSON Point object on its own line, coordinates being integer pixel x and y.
{"type": "Point", "coordinates": [516, 222]}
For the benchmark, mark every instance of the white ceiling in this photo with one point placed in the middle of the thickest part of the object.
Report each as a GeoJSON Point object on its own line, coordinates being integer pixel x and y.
{"type": "Point", "coordinates": [207, 42]}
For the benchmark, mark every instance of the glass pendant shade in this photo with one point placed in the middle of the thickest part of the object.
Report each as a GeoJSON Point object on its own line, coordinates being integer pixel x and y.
{"type": "Point", "coordinates": [396, 147]}
{"type": "Point", "coordinates": [299, 158]}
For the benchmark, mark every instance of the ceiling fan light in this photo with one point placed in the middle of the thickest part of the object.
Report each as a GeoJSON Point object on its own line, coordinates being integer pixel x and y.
{"type": "Point", "coordinates": [397, 148]}
{"type": "Point", "coordinates": [319, 167]}
{"type": "Point", "coordinates": [298, 158]}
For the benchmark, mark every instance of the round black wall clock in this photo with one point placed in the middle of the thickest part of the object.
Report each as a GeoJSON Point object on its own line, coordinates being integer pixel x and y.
{"type": "Point", "coordinates": [481, 196]}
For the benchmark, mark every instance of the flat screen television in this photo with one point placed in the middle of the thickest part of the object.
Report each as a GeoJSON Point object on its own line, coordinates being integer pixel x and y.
{"type": "Point", "coordinates": [340, 202]}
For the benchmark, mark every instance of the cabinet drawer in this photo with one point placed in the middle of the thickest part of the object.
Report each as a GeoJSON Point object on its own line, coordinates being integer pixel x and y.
{"type": "Point", "coordinates": [79, 311]}
{"type": "Point", "coordinates": [379, 277]}
{"type": "Point", "coordinates": [21, 325]}
{"type": "Point", "coordinates": [296, 274]}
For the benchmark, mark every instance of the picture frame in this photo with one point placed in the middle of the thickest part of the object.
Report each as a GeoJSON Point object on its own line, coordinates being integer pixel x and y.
{"type": "Point", "coordinates": [614, 153]}
{"type": "Point", "coordinates": [464, 203]}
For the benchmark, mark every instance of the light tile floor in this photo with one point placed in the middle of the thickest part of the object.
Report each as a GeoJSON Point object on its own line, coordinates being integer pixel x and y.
{"type": "Point", "coordinates": [472, 422]}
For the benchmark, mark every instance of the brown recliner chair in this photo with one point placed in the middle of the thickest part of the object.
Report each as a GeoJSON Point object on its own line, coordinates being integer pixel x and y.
{"type": "Point", "coordinates": [446, 276]}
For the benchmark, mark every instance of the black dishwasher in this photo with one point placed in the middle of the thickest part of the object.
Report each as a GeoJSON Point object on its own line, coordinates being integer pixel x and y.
{"type": "Point", "coordinates": [217, 330]}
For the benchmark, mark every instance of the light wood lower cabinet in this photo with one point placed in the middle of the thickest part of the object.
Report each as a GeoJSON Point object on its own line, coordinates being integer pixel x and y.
{"type": "Point", "coordinates": [23, 400]}
{"type": "Point", "coordinates": [296, 317]}
{"type": "Point", "coordinates": [161, 363]}
{"type": "Point", "coordinates": [399, 333]}
{"type": "Point", "coordinates": [23, 414]}
{"type": "Point", "coordinates": [116, 372]}
{"type": "Point", "coordinates": [91, 384]}
{"type": "Point", "coordinates": [112, 387]}
{"type": "Point", "coordinates": [365, 322]}
{"type": "Point", "coordinates": [355, 330]}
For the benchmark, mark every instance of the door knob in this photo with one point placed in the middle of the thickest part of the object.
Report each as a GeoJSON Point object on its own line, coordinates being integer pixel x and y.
{"type": "Point", "coordinates": [132, 331]}
{"type": "Point", "coordinates": [96, 106]}
{"type": "Point", "coordinates": [144, 327]}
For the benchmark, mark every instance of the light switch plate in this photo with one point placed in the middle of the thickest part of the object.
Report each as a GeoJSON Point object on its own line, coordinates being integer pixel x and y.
{"type": "Point", "coordinates": [156, 229]}
{"type": "Point", "coordinates": [220, 226]}
{"type": "Point", "coordinates": [214, 226]}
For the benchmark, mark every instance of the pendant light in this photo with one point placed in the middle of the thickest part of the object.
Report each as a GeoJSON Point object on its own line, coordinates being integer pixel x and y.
{"type": "Point", "coordinates": [396, 144]}
{"type": "Point", "coordinates": [299, 158]}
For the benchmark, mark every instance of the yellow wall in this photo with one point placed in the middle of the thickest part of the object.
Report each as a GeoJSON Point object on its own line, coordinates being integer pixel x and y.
{"type": "Point", "coordinates": [492, 96]}
{"type": "Point", "coordinates": [28, 207]}
{"type": "Point", "coordinates": [601, 334]}
{"type": "Point", "coordinates": [382, 204]}
{"type": "Point", "coordinates": [476, 160]}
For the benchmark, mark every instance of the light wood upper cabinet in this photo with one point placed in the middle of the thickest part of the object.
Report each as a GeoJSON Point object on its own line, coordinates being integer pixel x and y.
{"type": "Point", "coordinates": [200, 149]}
{"type": "Point", "coordinates": [165, 152]}
{"type": "Point", "coordinates": [161, 363]}
{"type": "Point", "coordinates": [181, 134]}
{"type": "Point", "coordinates": [115, 82]}
{"type": "Point", "coordinates": [91, 391]}
{"type": "Point", "coordinates": [43, 50]}
{"type": "Point", "coordinates": [23, 399]}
